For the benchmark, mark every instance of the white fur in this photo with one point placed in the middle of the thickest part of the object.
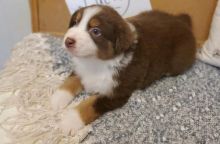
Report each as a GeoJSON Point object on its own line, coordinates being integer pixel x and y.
{"type": "Point", "coordinates": [134, 31]}
{"type": "Point", "coordinates": [84, 45]}
{"type": "Point", "coordinates": [131, 26]}
{"type": "Point", "coordinates": [87, 15]}
{"type": "Point", "coordinates": [60, 99]}
{"type": "Point", "coordinates": [71, 122]}
{"type": "Point", "coordinates": [97, 75]}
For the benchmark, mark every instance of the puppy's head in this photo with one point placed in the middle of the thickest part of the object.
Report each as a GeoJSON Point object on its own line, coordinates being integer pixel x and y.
{"type": "Point", "coordinates": [98, 31]}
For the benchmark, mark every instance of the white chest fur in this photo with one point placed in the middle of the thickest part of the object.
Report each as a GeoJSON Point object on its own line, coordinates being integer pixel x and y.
{"type": "Point", "coordinates": [97, 75]}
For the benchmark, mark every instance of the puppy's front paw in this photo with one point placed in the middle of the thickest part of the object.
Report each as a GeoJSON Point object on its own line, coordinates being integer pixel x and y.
{"type": "Point", "coordinates": [71, 122]}
{"type": "Point", "coordinates": [60, 99]}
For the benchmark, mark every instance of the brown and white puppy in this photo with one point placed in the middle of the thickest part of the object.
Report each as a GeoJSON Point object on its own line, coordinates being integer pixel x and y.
{"type": "Point", "coordinates": [115, 56]}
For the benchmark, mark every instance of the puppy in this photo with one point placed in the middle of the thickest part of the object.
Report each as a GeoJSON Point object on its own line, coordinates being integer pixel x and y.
{"type": "Point", "coordinates": [115, 56]}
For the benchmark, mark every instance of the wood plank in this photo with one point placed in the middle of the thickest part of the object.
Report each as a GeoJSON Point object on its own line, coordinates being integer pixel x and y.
{"type": "Point", "coordinates": [201, 12]}
{"type": "Point", "coordinates": [34, 15]}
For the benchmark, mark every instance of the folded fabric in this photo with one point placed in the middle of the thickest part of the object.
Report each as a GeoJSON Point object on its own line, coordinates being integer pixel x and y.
{"type": "Point", "coordinates": [210, 52]}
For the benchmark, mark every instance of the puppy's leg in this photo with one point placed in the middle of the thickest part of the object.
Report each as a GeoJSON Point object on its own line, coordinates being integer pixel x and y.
{"type": "Point", "coordinates": [88, 111]}
{"type": "Point", "coordinates": [66, 92]}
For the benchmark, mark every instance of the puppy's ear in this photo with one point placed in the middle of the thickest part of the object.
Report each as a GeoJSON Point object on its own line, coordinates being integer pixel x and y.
{"type": "Point", "coordinates": [75, 17]}
{"type": "Point", "coordinates": [124, 38]}
{"type": "Point", "coordinates": [71, 23]}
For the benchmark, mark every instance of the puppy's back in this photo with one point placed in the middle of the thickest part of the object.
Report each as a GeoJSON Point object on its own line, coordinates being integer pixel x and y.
{"type": "Point", "coordinates": [166, 40]}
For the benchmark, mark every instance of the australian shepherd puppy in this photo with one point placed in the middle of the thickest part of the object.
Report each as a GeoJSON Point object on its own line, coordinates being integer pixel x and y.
{"type": "Point", "coordinates": [115, 56]}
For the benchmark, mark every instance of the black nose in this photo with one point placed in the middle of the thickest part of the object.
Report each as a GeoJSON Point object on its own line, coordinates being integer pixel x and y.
{"type": "Point", "coordinates": [70, 42]}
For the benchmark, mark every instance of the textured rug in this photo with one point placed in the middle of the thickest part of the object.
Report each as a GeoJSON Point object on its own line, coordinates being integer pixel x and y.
{"type": "Point", "coordinates": [37, 66]}
{"type": "Point", "coordinates": [175, 110]}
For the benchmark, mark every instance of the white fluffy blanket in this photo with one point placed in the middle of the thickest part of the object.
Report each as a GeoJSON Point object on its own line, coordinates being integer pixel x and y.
{"type": "Point", "coordinates": [27, 82]}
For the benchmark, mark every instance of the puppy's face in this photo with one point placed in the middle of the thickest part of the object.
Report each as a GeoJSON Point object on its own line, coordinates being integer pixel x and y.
{"type": "Point", "coordinates": [97, 31]}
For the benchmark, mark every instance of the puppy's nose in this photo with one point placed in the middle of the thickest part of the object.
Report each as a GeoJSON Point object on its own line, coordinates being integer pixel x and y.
{"type": "Point", "coordinates": [70, 42]}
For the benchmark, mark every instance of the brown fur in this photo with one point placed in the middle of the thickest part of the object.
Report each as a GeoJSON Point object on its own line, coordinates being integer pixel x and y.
{"type": "Point", "coordinates": [165, 45]}
{"type": "Point", "coordinates": [87, 111]}
{"type": "Point", "coordinates": [94, 23]}
{"type": "Point", "coordinates": [72, 84]}
{"type": "Point", "coordinates": [115, 31]}
{"type": "Point", "coordinates": [76, 17]}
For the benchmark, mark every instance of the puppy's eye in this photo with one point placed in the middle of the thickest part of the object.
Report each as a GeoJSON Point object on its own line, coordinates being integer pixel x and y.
{"type": "Point", "coordinates": [95, 31]}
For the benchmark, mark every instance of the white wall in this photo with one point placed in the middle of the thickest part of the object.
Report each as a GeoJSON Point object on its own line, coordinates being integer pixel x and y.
{"type": "Point", "coordinates": [15, 23]}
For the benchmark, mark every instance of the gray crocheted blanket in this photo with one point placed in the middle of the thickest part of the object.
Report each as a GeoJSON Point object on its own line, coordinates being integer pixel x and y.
{"type": "Point", "coordinates": [174, 110]}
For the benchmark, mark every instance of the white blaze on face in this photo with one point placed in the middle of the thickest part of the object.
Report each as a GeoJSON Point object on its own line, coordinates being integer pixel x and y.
{"type": "Point", "coordinates": [84, 45]}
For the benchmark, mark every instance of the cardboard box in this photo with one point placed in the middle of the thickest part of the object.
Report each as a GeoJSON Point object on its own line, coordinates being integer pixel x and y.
{"type": "Point", "coordinates": [49, 16]}
{"type": "Point", "coordinates": [201, 12]}
{"type": "Point", "coordinates": [53, 16]}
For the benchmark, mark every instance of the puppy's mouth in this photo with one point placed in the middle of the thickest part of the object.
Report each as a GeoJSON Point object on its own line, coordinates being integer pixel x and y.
{"type": "Point", "coordinates": [76, 53]}
{"type": "Point", "coordinates": [72, 50]}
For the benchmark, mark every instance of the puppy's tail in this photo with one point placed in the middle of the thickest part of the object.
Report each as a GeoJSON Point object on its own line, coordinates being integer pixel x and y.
{"type": "Point", "coordinates": [186, 19]}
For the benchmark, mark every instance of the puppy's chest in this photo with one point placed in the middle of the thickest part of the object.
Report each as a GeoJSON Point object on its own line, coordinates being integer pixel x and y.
{"type": "Point", "coordinates": [97, 78]}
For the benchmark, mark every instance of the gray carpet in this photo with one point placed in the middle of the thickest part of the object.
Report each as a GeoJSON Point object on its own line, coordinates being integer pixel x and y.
{"type": "Point", "coordinates": [175, 110]}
